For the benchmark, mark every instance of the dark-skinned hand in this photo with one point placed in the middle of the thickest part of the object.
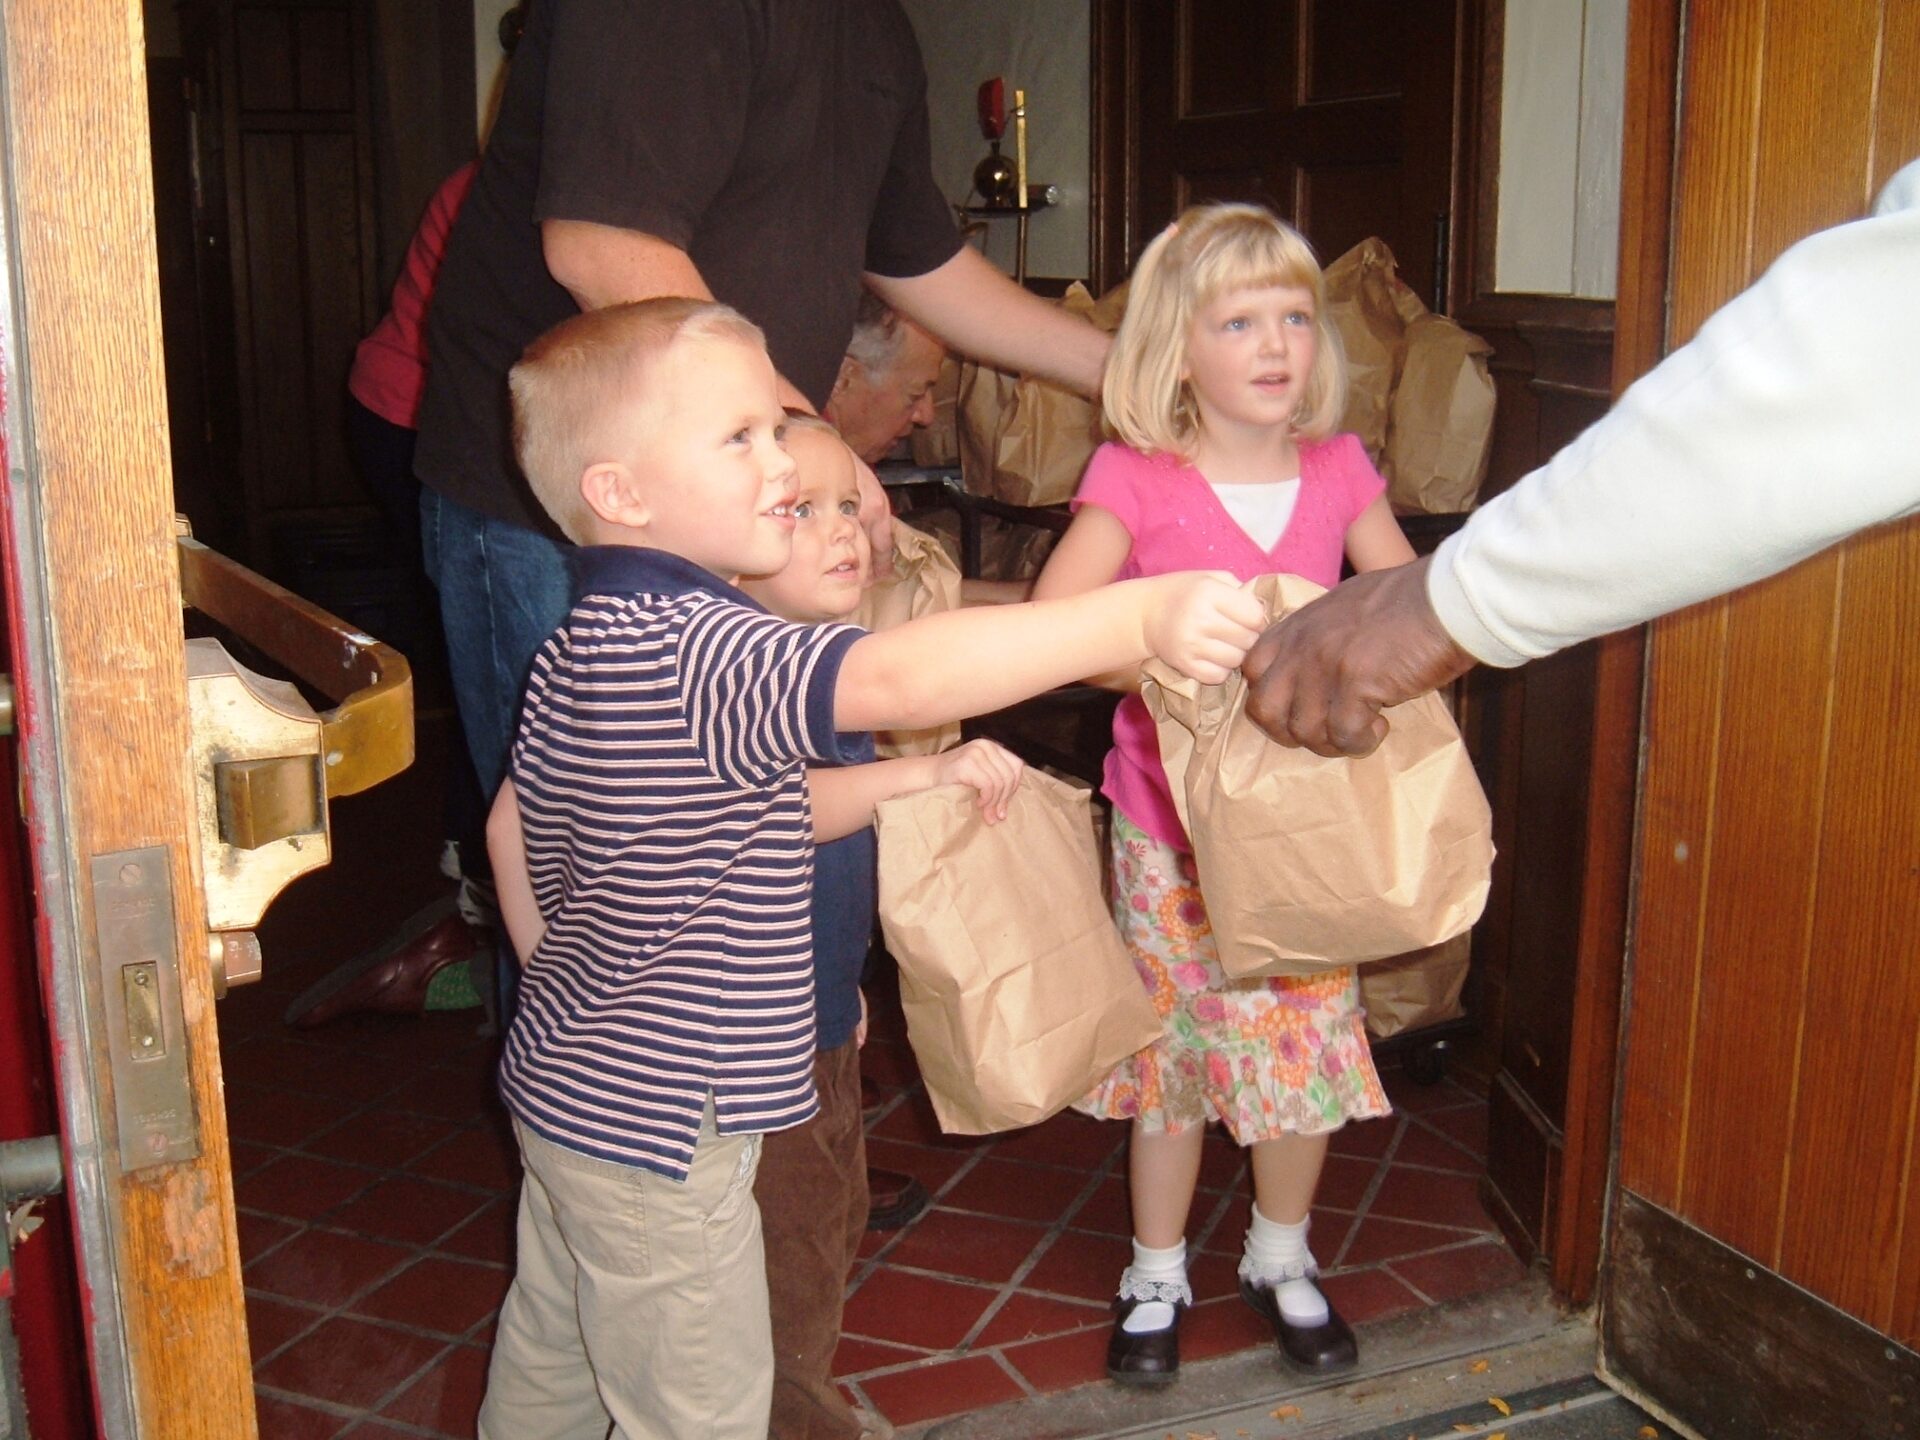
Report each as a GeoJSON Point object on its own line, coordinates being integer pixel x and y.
{"type": "Point", "coordinates": [1320, 677]}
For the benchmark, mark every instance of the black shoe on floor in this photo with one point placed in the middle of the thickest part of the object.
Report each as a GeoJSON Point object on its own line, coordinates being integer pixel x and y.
{"type": "Point", "coordinates": [1149, 1358]}
{"type": "Point", "coordinates": [1329, 1346]}
{"type": "Point", "coordinates": [893, 1200]}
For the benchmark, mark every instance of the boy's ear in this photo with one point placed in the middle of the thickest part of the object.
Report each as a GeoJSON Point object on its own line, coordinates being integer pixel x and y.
{"type": "Point", "coordinates": [614, 493]}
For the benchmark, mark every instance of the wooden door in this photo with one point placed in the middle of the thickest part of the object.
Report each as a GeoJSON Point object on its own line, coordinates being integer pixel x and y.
{"type": "Point", "coordinates": [1763, 1269]}
{"type": "Point", "coordinates": [1339, 114]}
{"type": "Point", "coordinates": [93, 602]}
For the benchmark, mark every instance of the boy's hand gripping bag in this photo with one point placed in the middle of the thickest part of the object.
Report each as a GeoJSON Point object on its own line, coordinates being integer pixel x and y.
{"type": "Point", "coordinates": [925, 581]}
{"type": "Point", "coordinates": [1018, 992]}
{"type": "Point", "coordinates": [1309, 863]}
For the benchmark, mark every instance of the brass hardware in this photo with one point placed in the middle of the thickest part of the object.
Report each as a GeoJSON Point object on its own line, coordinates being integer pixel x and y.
{"type": "Point", "coordinates": [258, 785]}
{"type": "Point", "coordinates": [368, 735]}
{"type": "Point", "coordinates": [140, 981]}
{"type": "Point", "coordinates": [234, 958]}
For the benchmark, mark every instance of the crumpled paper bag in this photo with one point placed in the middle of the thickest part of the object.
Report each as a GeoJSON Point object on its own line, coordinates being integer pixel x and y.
{"type": "Point", "coordinates": [1419, 394]}
{"type": "Point", "coordinates": [925, 580]}
{"type": "Point", "coordinates": [1309, 863]}
{"type": "Point", "coordinates": [1415, 990]}
{"type": "Point", "coordinates": [1025, 441]}
{"type": "Point", "coordinates": [1018, 991]}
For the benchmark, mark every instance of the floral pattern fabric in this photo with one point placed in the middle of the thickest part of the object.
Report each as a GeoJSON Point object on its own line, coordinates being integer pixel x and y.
{"type": "Point", "coordinates": [1266, 1057]}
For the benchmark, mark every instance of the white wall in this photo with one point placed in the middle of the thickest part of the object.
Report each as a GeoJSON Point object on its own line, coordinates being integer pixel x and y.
{"type": "Point", "coordinates": [1042, 47]}
{"type": "Point", "coordinates": [1563, 86]}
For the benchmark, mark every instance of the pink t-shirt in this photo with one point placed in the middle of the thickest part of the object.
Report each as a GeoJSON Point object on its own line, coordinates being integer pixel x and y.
{"type": "Point", "coordinates": [1177, 523]}
{"type": "Point", "coordinates": [390, 366]}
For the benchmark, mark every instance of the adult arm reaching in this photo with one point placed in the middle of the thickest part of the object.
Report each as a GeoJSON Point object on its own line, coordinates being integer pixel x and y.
{"type": "Point", "coordinates": [1780, 429]}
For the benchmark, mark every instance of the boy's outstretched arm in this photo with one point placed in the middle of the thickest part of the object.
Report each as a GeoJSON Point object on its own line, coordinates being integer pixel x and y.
{"type": "Point", "coordinates": [513, 890]}
{"type": "Point", "coordinates": [844, 796]}
{"type": "Point", "coordinates": [970, 662]}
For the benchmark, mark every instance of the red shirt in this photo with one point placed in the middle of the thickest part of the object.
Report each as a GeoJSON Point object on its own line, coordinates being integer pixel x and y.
{"type": "Point", "coordinates": [390, 366]}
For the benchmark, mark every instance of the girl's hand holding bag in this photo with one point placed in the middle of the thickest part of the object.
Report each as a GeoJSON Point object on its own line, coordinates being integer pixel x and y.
{"type": "Point", "coordinates": [1309, 863]}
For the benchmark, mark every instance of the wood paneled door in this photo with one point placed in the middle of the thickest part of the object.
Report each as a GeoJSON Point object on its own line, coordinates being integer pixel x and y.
{"type": "Point", "coordinates": [1763, 1267]}
{"type": "Point", "coordinates": [1340, 114]}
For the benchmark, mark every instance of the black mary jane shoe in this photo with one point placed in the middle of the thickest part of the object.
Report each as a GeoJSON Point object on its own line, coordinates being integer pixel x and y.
{"type": "Point", "coordinates": [1149, 1358]}
{"type": "Point", "coordinates": [1327, 1346]}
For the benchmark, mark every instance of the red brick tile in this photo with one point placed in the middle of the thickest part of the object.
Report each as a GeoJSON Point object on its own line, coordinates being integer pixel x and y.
{"type": "Point", "coordinates": [889, 1063]}
{"type": "Point", "coordinates": [272, 1116]}
{"type": "Point", "coordinates": [260, 1233]}
{"type": "Point", "coordinates": [1212, 1276]}
{"type": "Point", "coordinates": [272, 1323]}
{"type": "Point", "coordinates": [1432, 1196]}
{"type": "Point", "coordinates": [947, 1388]}
{"type": "Point", "coordinates": [1344, 1180]}
{"type": "Point", "coordinates": [323, 1268]}
{"type": "Point", "coordinates": [855, 1356]}
{"type": "Point", "coordinates": [246, 1158]}
{"type": "Point", "coordinates": [1222, 1327]}
{"type": "Point", "coordinates": [1108, 1210]}
{"type": "Point", "coordinates": [316, 1069]}
{"type": "Point", "coordinates": [374, 1430]}
{"type": "Point", "coordinates": [1030, 1317]}
{"type": "Point", "coordinates": [447, 1398]}
{"type": "Point", "coordinates": [1222, 1163]}
{"type": "Point", "coordinates": [1329, 1232]}
{"type": "Point", "coordinates": [300, 1187]}
{"type": "Point", "coordinates": [451, 1092]}
{"type": "Point", "coordinates": [913, 1121]}
{"type": "Point", "coordinates": [383, 1138]}
{"type": "Point", "coordinates": [931, 1165]}
{"type": "Point", "coordinates": [451, 1296]}
{"type": "Point", "coordinates": [972, 1246]}
{"type": "Point", "coordinates": [1364, 1137]}
{"type": "Point", "coordinates": [1015, 1191]}
{"type": "Point", "coordinates": [914, 1309]}
{"type": "Point", "coordinates": [1363, 1295]}
{"type": "Point", "coordinates": [411, 1211]}
{"type": "Point", "coordinates": [348, 1362]}
{"type": "Point", "coordinates": [1377, 1238]}
{"type": "Point", "coordinates": [1228, 1235]}
{"type": "Point", "coordinates": [1416, 1099]}
{"type": "Point", "coordinates": [1466, 1127]}
{"type": "Point", "coordinates": [284, 1420]}
{"type": "Point", "coordinates": [1420, 1146]}
{"type": "Point", "coordinates": [486, 1157]}
{"type": "Point", "coordinates": [1082, 1267]}
{"type": "Point", "coordinates": [1468, 1270]}
{"type": "Point", "coordinates": [1062, 1362]}
{"type": "Point", "coordinates": [489, 1235]}
{"type": "Point", "coordinates": [1070, 1140]}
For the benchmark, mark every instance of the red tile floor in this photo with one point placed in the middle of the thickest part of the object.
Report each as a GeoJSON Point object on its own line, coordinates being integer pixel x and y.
{"type": "Point", "coordinates": [375, 1182]}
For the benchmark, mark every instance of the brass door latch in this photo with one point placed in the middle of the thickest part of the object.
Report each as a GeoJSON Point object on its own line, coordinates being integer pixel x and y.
{"type": "Point", "coordinates": [265, 762]}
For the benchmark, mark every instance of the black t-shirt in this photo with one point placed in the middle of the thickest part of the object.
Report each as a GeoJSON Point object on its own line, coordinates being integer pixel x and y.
{"type": "Point", "coordinates": [781, 143]}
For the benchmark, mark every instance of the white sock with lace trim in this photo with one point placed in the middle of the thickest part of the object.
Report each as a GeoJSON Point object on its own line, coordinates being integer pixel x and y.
{"type": "Point", "coordinates": [1277, 1255]}
{"type": "Point", "coordinates": [1150, 1272]}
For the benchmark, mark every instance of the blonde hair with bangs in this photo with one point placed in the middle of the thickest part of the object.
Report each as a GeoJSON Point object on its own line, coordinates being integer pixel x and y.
{"type": "Point", "coordinates": [579, 393]}
{"type": "Point", "coordinates": [1208, 251]}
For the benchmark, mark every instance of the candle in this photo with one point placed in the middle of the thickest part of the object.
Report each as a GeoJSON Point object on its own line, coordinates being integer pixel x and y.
{"type": "Point", "coordinates": [1020, 147]}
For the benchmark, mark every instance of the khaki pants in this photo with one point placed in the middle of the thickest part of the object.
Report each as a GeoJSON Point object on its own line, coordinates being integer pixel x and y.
{"type": "Point", "coordinates": [636, 1301]}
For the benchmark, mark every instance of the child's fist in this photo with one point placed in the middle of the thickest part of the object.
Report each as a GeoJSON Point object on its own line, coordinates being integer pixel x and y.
{"type": "Point", "coordinates": [991, 769]}
{"type": "Point", "coordinates": [1205, 625]}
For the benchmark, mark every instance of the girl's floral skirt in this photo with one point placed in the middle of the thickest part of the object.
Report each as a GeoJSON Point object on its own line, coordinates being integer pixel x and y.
{"type": "Point", "coordinates": [1266, 1057]}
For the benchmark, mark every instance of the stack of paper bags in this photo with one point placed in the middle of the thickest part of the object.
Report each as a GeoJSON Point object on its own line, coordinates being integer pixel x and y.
{"type": "Point", "coordinates": [1308, 863]}
{"type": "Point", "coordinates": [1018, 992]}
{"type": "Point", "coordinates": [925, 581]}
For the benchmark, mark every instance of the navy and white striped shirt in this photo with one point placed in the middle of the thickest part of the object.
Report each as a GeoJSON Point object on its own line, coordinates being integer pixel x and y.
{"type": "Point", "coordinates": [660, 773]}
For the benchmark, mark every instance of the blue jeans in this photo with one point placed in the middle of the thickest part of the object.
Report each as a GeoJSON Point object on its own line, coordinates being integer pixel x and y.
{"type": "Point", "coordinates": [503, 591]}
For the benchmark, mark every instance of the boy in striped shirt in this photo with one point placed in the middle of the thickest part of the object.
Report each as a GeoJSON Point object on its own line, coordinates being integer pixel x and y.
{"type": "Point", "coordinates": [654, 845]}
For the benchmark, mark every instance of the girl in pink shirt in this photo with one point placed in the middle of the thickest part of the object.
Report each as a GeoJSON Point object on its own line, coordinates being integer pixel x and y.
{"type": "Point", "coordinates": [1224, 386]}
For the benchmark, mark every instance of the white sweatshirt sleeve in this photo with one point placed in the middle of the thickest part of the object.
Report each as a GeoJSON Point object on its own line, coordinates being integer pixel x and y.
{"type": "Point", "coordinates": [1789, 422]}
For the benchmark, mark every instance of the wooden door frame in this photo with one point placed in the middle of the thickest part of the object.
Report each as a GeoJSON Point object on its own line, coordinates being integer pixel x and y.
{"type": "Point", "coordinates": [101, 684]}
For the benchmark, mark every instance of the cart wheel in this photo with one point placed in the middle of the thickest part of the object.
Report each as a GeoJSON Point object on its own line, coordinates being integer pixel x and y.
{"type": "Point", "coordinates": [1427, 1064]}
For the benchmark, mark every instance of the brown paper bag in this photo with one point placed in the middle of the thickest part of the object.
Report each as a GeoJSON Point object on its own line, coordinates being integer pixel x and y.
{"type": "Point", "coordinates": [1309, 863]}
{"type": "Point", "coordinates": [1018, 992]}
{"type": "Point", "coordinates": [1440, 422]}
{"type": "Point", "coordinates": [1026, 441]}
{"type": "Point", "coordinates": [1412, 991]}
{"type": "Point", "coordinates": [1371, 309]}
{"type": "Point", "coordinates": [925, 580]}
